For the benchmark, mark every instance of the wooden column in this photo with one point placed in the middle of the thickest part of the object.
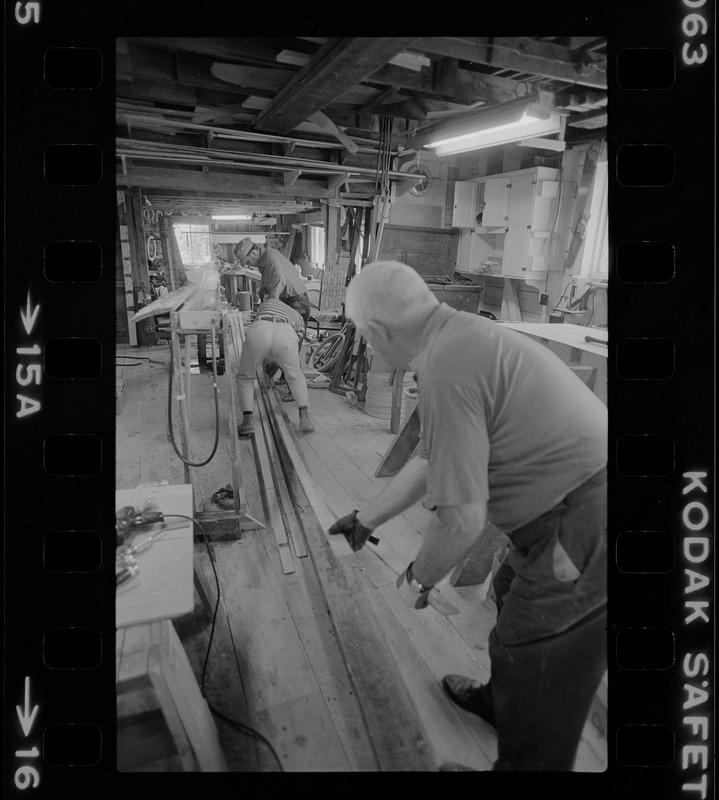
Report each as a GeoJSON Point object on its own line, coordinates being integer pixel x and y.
{"type": "Point", "coordinates": [136, 231]}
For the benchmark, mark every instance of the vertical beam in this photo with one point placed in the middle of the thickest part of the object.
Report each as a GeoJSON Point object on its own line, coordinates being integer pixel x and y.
{"type": "Point", "coordinates": [136, 231]}
{"type": "Point", "coordinates": [180, 395]}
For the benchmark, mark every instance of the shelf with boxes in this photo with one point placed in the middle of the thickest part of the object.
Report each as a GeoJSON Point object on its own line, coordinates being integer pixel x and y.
{"type": "Point", "coordinates": [506, 222]}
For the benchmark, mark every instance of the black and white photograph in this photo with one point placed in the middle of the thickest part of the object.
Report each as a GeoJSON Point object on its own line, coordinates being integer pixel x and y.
{"type": "Point", "coordinates": [361, 443]}
{"type": "Point", "coordinates": [360, 399]}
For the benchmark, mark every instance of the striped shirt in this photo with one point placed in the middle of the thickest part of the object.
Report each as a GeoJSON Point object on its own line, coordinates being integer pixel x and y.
{"type": "Point", "coordinates": [276, 308]}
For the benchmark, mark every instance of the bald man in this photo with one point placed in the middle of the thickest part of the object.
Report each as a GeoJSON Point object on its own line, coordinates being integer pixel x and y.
{"type": "Point", "coordinates": [509, 434]}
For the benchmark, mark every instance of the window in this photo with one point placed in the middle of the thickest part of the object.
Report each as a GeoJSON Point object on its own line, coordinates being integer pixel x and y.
{"type": "Point", "coordinates": [595, 254]}
{"type": "Point", "coordinates": [194, 243]}
{"type": "Point", "coordinates": [317, 246]}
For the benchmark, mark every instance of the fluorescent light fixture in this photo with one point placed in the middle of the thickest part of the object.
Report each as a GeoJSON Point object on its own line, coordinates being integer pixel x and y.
{"type": "Point", "coordinates": [231, 216]}
{"type": "Point", "coordinates": [526, 126]}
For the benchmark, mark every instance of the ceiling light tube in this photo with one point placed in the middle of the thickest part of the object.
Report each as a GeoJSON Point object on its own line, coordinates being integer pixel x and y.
{"type": "Point", "coordinates": [524, 127]}
{"type": "Point", "coordinates": [231, 216]}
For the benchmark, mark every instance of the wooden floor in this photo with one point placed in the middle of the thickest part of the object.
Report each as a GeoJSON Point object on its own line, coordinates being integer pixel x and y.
{"type": "Point", "coordinates": [275, 665]}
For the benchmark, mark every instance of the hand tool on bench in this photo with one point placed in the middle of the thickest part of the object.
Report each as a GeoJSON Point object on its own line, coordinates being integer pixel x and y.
{"type": "Point", "coordinates": [130, 521]}
{"type": "Point", "coordinates": [594, 339]}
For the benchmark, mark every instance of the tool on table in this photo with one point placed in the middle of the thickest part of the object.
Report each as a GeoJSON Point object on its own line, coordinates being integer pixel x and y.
{"type": "Point", "coordinates": [598, 341]}
{"type": "Point", "coordinates": [125, 573]}
{"type": "Point", "coordinates": [130, 520]}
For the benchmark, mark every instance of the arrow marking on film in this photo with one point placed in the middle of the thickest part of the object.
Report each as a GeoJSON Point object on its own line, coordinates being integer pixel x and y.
{"type": "Point", "coordinates": [25, 715]}
{"type": "Point", "coordinates": [29, 316]}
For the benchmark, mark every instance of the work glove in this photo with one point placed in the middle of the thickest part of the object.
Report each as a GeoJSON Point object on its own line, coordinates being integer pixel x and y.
{"type": "Point", "coordinates": [355, 533]}
{"type": "Point", "coordinates": [411, 591]}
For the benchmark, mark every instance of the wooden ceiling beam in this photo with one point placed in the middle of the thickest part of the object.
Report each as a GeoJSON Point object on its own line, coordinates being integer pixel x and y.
{"type": "Point", "coordinates": [176, 94]}
{"type": "Point", "coordinates": [232, 183]}
{"type": "Point", "coordinates": [238, 49]}
{"type": "Point", "coordinates": [547, 59]}
{"type": "Point", "coordinates": [339, 63]}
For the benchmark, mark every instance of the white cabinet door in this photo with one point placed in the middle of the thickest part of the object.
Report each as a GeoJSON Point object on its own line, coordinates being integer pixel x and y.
{"type": "Point", "coordinates": [464, 211]}
{"type": "Point", "coordinates": [524, 255]}
{"type": "Point", "coordinates": [521, 200]}
{"type": "Point", "coordinates": [496, 202]}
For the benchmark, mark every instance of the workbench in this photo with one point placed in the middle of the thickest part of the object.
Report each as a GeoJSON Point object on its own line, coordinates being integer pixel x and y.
{"type": "Point", "coordinates": [163, 721]}
{"type": "Point", "coordinates": [588, 360]}
{"type": "Point", "coordinates": [572, 336]}
{"type": "Point", "coordinates": [163, 586]}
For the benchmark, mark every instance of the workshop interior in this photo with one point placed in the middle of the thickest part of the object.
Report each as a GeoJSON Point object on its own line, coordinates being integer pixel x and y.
{"type": "Point", "coordinates": [248, 638]}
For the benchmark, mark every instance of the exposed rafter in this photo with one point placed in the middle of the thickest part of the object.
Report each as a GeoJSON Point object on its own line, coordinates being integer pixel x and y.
{"type": "Point", "coordinates": [339, 63]}
{"type": "Point", "coordinates": [522, 54]}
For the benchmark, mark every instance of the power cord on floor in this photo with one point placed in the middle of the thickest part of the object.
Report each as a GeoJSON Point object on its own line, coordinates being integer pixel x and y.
{"type": "Point", "coordinates": [170, 433]}
{"type": "Point", "coordinates": [238, 726]}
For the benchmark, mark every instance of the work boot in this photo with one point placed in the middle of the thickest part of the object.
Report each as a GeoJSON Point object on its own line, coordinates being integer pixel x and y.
{"type": "Point", "coordinates": [247, 428]}
{"type": "Point", "coordinates": [470, 695]}
{"type": "Point", "coordinates": [306, 425]}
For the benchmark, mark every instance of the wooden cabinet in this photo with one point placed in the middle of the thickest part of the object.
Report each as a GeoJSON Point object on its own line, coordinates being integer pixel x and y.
{"type": "Point", "coordinates": [518, 214]}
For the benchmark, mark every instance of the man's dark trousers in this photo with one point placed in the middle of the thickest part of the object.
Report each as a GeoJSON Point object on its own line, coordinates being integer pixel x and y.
{"type": "Point", "coordinates": [548, 647]}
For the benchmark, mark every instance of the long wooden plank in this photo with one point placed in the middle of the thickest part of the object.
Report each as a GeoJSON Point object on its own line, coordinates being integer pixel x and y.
{"type": "Point", "coordinates": [396, 730]}
{"type": "Point", "coordinates": [286, 505]}
{"type": "Point", "coordinates": [286, 701]}
{"type": "Point", "coordinates": [302, 594]}
{"type": "Point", "coordinates": [269, 493]}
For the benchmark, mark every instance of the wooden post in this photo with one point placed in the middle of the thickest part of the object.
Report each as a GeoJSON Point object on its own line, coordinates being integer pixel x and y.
{"type": "Point", "coordinates": [332, 237]}
{"type": "Point", "coordinates": [136, 231]}
{"type": "Point", "coordinates": [180, 390]}
{"type": "Point", "coordinates": [510, 302]}
{"type": "Point", "coordinates": [129, 287]}
{"type": "Point", "coordinates": [237, 480]}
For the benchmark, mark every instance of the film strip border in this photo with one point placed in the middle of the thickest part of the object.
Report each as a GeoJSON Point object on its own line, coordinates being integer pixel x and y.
{"type": "Point", "coordinates": [60, 286]}
{"type": "Point", "coordinates": [661, 401]}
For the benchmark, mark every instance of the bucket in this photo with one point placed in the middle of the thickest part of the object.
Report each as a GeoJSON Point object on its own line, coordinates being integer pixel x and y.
{"type": "Point", "coordinates": [378, 397]}
{"type": "Point", "coordinates": [244, 300]}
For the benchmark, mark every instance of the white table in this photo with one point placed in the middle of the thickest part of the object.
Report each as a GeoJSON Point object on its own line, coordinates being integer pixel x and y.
{"type": "Point", "coordinates": [570, 335]}
{"type": "Point", "coordinates": [163, 586]}
{"type": "Point", "coordinates": [558, 337]}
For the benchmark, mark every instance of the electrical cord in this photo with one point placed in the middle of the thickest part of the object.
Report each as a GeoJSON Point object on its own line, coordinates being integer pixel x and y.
{"type": "Point", "coordinates": [231, 722]}
{"type": "Point", "coordinates": [170, 433]}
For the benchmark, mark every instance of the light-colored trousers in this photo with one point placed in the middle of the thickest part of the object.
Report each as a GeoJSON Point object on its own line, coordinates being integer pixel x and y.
{"type": "Point", "coordinates": [278, 342]}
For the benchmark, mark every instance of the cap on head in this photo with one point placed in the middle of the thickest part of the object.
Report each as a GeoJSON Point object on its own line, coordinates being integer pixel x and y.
{"type": "Point", "coordinates": [242, 249]}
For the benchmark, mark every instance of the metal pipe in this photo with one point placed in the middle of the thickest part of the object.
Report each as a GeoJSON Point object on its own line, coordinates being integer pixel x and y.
{"type": "Point", "coordinates": [131, 148]}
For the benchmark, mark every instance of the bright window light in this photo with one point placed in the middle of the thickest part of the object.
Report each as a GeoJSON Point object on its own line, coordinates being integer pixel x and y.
{"type": "Point", "coordinates": [231, 216]}
{"type": "Point", "coordinates": [522, 128]}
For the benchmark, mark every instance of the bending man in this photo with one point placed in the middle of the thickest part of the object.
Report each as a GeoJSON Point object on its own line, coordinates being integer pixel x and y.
{"type": "Point", "coordinates": [279, 276]}
{"type": "Point", "coordinates": [272, 335]}
{"type": "Point", "coordinates": [508, 434]}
